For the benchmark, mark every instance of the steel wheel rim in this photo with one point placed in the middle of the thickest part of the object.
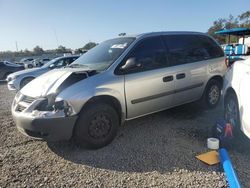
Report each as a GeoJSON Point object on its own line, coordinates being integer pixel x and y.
{"type": "Point", "coordinates": [100, 126]}
{"type": "Point", "coordinates": [214, 94]}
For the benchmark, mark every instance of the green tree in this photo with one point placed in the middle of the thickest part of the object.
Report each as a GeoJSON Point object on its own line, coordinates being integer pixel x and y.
{"type": "Point", "coordinates": [89, 45]}
{"type": "Point", "coordinates": [245, 19]}
{"type": "Point", "coordinates": [38, 50]}
{"type": "Point", "coordinates": [61, 49]}
{"type": "Point", "coordinates": [217, 25]}
{"type": "Point", "coordinates": [122, 34]}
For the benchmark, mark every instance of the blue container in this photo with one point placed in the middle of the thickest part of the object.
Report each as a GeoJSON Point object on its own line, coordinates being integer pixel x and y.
{"type": "Point", "coordinates": [228, 169]}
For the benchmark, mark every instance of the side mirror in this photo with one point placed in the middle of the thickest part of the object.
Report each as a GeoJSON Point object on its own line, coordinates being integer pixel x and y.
{"type": "Point", "coordinates": [130, 64]}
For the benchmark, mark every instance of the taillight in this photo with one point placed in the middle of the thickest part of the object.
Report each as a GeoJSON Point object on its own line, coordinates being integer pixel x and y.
{"type": "Point", "coordinates": [227, 62]}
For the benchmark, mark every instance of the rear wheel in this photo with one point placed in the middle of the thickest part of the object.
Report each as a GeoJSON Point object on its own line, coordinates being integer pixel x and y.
{"type": "Point", "coordinates": [212, 93]}
{"type": "Point", "coordinates": [96, 126]}
{"type": "Point", "coordinates": [25, 81]}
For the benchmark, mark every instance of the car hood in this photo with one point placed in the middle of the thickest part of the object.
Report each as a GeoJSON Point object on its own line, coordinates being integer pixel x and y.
{"type": "Point", "coordinates": [53, 81]}
{"type": "Point", "coordinates": [28, 71]}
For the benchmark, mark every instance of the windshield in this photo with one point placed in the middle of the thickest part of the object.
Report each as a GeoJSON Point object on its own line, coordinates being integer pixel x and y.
{"type": "Point", "coordinates": [103, 55]}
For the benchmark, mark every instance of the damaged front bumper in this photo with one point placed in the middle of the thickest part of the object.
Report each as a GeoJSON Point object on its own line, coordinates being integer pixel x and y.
{"type": "Point", "coordinates": [47, 125]}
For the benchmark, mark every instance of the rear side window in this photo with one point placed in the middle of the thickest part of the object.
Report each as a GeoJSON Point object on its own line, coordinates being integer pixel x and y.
{"type": "Point", "coordinates": [150, 53]}
{"type": "Point", "coordinates": [190, 48]}
{"type": "Point", "coordinates": [213, 49]}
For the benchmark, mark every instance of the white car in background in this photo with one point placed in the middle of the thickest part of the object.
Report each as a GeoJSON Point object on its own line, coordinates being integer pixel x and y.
{"type": "Point", "coordinates": [237, 96]}
{"type": "Point", "coordinates": [27, 62]}
{"type": "Point", "coordinates": [40, 61]}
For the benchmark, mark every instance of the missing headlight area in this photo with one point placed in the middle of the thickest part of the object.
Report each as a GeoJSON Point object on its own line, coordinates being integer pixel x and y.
{"type": "Point", "coordinates": [51, 108]}
{"type": "Point", "coordinates": [49, 105]}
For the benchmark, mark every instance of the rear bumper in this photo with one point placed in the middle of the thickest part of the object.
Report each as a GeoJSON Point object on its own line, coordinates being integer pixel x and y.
{"type": "Point", "coordinates": [50, 129]}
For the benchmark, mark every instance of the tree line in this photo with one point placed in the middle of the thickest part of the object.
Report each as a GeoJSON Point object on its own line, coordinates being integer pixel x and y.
{"type": "Point", "coordinates": [37, 50]}
{"type": "Point", "coordinates": [242, 20]}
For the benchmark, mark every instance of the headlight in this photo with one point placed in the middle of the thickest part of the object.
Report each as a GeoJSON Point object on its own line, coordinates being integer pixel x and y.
{"type": "Point", "coordinates": [10, 78]}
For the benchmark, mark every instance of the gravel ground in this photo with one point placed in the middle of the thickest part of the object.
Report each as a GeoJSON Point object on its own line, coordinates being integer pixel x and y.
{"type": "Point", "coordinates": [154, 151]}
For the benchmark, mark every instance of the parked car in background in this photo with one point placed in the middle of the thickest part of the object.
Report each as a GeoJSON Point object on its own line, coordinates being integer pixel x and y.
{"type": "Point", "coordinates": [26, 62]}
{"type": "Point", "coordinates": [236, 96]}
{"type": "Point", "coordinates": [19, 79]}
{"type": "Point", "coordinates": [7, 68]}
{"type": "Point", "coordinates": [120, 79]}
{"type": "Point", "coordinates": [40, 61]}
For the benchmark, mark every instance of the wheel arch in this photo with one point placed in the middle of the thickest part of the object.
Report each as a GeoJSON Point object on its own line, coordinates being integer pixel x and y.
{"type": "Point", "coordinates": [218, 78]}
{"type": "Point", "coordinates": [24, 78]}
{"type": "Point", "coordinates": [110, 100]}
{"type": "Point", "coordinates": [228, 91]}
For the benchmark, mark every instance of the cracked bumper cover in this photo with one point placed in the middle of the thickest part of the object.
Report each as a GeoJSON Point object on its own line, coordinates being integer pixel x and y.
{"type": "Point", "coordinates": [50, 129]}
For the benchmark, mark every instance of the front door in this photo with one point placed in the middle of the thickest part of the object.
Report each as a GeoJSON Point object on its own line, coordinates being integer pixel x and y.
{"type": "Point", "coordinates": [148, 88]}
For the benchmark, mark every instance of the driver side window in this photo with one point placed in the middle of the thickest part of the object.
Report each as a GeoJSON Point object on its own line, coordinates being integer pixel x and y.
{"type": "Point", "coordinates": [61, 63]}
{"type": "Point", "coordinates": [149, 54]}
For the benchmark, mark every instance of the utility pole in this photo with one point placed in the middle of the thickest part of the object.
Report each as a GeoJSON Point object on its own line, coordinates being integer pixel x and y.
{"type": "Point", "coordinates": [16, 46]}
{"type": "Point", "coordinates": [56, 37]}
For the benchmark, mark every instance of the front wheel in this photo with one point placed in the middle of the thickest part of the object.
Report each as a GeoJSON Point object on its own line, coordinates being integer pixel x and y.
{"type": "Point", "coordinates": [30, 66]}
{"type": "Point", "coordinates": [96, 126]}
{"type": "Point", "coordinates": [212, 93]}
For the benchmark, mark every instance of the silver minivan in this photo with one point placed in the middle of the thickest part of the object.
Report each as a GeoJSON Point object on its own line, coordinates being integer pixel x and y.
{"type": "Point", "coordinates": [118, 80]}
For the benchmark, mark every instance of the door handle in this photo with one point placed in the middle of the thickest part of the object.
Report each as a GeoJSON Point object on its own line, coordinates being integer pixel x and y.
{"type": "Point", "coordinates": [180, 76]}
{"type": "Point", "coordinates": [168, 79]}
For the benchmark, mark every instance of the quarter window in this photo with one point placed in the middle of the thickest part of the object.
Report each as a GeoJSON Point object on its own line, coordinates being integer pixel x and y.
{"type": "Point", "coordinates": [212, 48]}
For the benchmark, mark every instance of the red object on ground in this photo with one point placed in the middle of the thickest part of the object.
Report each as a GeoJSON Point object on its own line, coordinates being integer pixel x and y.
{"type": "Point", "coordinates": [228, 130]}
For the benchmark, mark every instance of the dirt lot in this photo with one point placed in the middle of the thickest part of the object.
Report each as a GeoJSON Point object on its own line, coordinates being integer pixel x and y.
{"type": "Point", "coordinates": [153, 151]}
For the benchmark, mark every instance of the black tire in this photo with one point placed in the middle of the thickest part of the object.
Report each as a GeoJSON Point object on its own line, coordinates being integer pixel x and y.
{"type": "Point", "coordinates": [96, 126]}
{"type": "Point", "coordinates": [5, 75]}
{"type": "Point", "coordinates": [212, 94]}
{"type": "Point", "coordinates": [231, 113]}
{"type": "Point", "coordinates": [30, 66]}
{"type": "Point", "coordinates": [25, 81]}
